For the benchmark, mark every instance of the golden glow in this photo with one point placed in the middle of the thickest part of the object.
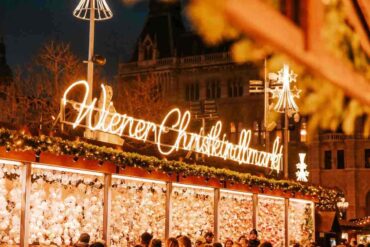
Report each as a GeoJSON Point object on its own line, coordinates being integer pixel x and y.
{"type": "Point", "coordinates": [138, 179]}
{"type": "Point", "coordinates": [63, 169]}
{"type": "Point", "coordinates": [175, 123]}
{"type": "Point", "coordinates": [10, 162]}
{"type": "Point", "coordinates": [191, 186]}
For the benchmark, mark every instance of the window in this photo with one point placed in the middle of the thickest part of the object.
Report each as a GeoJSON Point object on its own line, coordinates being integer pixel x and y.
{"type": "Point", "coordinates": [340, 159]}
{"type": "Point", "coordinates": [256, 130]}
{"type": "Point", "coordinates": [327, 160]}
{"type": "Point", "coordinates": [213, 89]}
{"type": "Point", "coordinates": [367, 158]}
{"type": "Point", "coordinates": [303, 132]}
{"type": "Point", "coordinates": [235, 87]}
{"type": "Point", "coordinates": [192, 91]}
{"type": "Point", "coordinates": [233, 133]}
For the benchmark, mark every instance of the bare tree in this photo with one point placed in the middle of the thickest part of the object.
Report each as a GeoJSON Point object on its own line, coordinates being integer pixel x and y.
{"type": "Point", "coordinates": [42, 83]}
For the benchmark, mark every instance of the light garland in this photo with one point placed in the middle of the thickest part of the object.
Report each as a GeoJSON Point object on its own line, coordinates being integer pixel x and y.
{"type": "Point", "coordinates": [236, 215]}
{"type": "Point", "coordinates": [270, 220]}
{"type": "Point", "coordinates": [210, 144]}
{"type": "Point", "coordinates": [192, 212]}
{"type": "Point", "coordinates": [137, 207]}
{"type": "Point", "coordinates": [18, 141]}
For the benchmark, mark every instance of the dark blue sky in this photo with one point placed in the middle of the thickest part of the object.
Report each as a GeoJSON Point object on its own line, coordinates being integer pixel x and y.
{"type": "Point", "coordinates": [26, 24]}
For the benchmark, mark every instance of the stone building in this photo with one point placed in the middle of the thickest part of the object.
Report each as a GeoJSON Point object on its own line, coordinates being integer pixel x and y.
{"type": "Point", "coordinates": [192, 75]}
{"type": "Point", "coordinates": [344, 162]}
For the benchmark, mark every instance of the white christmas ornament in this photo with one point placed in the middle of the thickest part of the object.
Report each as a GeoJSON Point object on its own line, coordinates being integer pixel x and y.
{"type": "Point", "coordinates": [302, 173]}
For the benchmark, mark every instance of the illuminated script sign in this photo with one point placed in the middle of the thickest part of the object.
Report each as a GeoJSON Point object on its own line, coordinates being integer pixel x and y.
{"type": "Point", "coordinates": [169, 136]}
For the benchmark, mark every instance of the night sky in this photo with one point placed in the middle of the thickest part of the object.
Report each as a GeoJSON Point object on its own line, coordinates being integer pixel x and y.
{"type": "Point", "coordinates": [27, 24]}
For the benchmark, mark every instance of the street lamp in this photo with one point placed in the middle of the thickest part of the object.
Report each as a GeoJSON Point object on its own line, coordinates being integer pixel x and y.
{"type": "Point", "coordinates": [92, 10]}
{"type": "Point", "coordinates": [285, 104]}
{"type": "Point", "coordinates": [342, 207]}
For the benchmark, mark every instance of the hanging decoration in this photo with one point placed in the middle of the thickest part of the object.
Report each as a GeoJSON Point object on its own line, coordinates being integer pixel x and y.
{"type": "Point", "coordinates": [10, 204]}
{"type": "Point", "coordinates": [301, 228]}
{"type": "Point", "coordinates": [63, 205]}
{"type": "Point", "coordinates": [192, 212]}
{"type": "Point", "coordinates": [285, 94]}
{"type": "Point", "coordinates": [270, 220]}
{"type": "Point", "coordinates": [302, 173]}
{"type": "Point", "coordinates": [236, 215]}
{"type": "Point", "coordinates": [137, 207]}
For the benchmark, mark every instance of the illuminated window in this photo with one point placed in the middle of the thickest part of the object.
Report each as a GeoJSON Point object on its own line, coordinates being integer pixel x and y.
{"type": "Point", "coordinates": [303, 132]}
{"type": "Point", "coordinates": [256, 131]}
{"type": "Point", "coordinates": [213, 89]}
{"type": "Point", "coordinates": [232, 127]}
{"type": "Point", "coordinates": [367, 158]}
{"type": "Point", "coordinates": [327, 159]}
{"type": "Point", "coordinates": [340, 159]}
{"type": "Point", "coordinates": [232, 132]}
{"type": "Point", "coordinates": [192, 91]}
{"type": "Point", "coordinates": [235, 87]}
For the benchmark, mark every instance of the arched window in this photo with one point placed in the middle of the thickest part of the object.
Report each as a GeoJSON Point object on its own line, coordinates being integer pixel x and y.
{"type": "Point", "coordinates": [213, 89]}
{"type": "Point", "coordinates": [235, 87]}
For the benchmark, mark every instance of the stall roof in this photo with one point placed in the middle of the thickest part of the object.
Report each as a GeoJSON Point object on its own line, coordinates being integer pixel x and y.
{"type": "Point", "coordinates": [327, 221]}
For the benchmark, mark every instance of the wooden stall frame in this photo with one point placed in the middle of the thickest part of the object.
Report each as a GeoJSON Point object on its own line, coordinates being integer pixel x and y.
{"type": "Point", "coordinates": [168, 210]}
{"type": "Point", "coordinates": [216, 214]}
{"type": "Point", "coordinates": [25, 203]}
{"type": "Point", "coordinates": [286, 222]}
{"type": "Point", "coordinates": [107, 208]}
{"type": "Point", "coordinates": [255, 208]}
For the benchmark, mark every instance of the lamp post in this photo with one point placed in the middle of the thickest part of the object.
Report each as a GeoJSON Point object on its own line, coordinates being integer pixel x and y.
{"type": "Point", "coordinates": [342, 207]}
{"type": "Point", "coordinates": [92, 10]}
{"type": "Point", "coordinates": [285, 104]}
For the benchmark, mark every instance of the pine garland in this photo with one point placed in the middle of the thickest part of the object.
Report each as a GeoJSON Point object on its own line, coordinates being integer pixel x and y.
{"type": "Point", "coordinates": [18, 141]}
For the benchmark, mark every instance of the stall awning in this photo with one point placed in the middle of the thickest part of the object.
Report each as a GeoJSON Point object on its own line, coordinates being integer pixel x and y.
{"type": "Point", "coordinates": [327, 222]}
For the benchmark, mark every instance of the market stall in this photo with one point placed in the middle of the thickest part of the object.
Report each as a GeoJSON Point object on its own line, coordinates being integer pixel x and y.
{"type": "Point", "coordinates": [74, 187]}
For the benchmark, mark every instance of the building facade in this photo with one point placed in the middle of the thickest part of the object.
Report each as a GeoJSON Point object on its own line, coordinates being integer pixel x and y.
{"type": "Point", "coordinates": [342, 161]}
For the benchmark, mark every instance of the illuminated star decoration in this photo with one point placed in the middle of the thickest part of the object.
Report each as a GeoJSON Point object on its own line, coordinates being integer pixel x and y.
{"type": "Point", "coordinates": [302, 173]}
{"type": "Point", "coordinates": [285, 94]}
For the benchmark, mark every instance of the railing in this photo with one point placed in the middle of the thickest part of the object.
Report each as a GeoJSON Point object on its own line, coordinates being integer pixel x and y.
{"type": "Point", "coordinates": [332, 137]}
{"type": "Point", "coordinates": [214, 58]}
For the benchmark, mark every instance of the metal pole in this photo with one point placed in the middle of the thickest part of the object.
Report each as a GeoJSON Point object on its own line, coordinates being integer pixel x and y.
{"type": "Point", "coordinates": [25, 204]}
{"type": "Point", "coordinates": [286, 144]}
{"type": "Point", "coordinates": [266, 109]}
{"type": "Point", "coordinates": [168, 211]}
{"type": "Point", "coordinates": [216, 214]}
{"type": "Point", "coordinates": [107, 207]}
{"type": "Point", "coordinates": [90, 64]}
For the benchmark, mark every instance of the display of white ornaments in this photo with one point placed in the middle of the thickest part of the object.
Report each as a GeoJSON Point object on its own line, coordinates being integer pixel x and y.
{"type": "Point", "coordinates": [64, 205]}
{"type": "Point", "coordinates": [10, 204]}
{"type": "Point", "coordinates": [236, 215]}
{"type": "Point", "coordinates": [192, 212]}
{"type": "Point", "coordinates": [137, 207]}
{"type": "Point", "coordinates": [300, 223]}
{"type": "Point", "coordinates": [270, 220]}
